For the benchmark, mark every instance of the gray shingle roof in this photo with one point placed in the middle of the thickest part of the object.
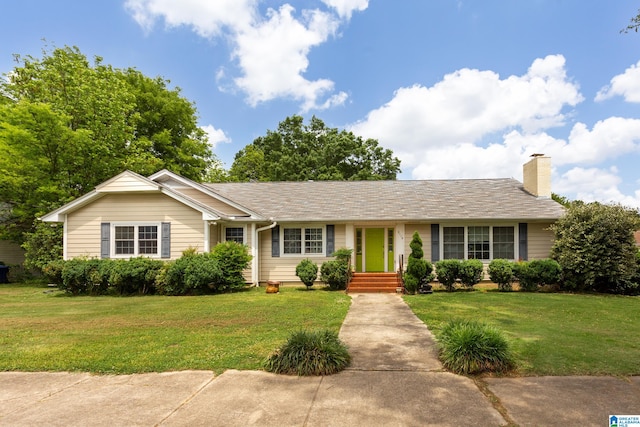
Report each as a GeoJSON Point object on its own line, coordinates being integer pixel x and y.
{"type": "Point", "coordinates": [391, 200]}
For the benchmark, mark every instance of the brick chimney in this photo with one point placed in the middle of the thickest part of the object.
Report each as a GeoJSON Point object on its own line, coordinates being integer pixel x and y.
{"type": "Point", "coordinates": [536, 176]}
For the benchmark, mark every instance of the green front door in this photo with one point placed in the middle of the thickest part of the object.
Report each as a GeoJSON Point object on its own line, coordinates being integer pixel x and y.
{"type": "Point", "coordinates": [374, 249]}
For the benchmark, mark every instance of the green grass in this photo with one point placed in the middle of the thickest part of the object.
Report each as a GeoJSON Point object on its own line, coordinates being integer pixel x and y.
{"type": "Point", "coordinates": [45, 330]}
{"type": "Point", "coordinates": [550, 334]}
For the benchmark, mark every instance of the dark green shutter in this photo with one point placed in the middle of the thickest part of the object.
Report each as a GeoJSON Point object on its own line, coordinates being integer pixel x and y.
{"type": "Point", "coordinates": [105, 240]}
{"type": "Point", "coordinates": [331, 239]}
{"type": "Point", "coordinates": [435, 242]}
{"type": "Point", "coordinates": [523, 241]}
{"type": "Point", "coordinates": [165, 251]}
{"type": "Point", "coordinates": [275, 241]}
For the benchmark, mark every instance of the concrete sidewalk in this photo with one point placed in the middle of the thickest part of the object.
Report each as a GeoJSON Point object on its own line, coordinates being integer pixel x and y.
{"type": "Point", "coordinates": [395, 380]}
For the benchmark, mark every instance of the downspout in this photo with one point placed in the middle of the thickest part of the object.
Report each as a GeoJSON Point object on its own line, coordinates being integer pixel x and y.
{"type": "Point", "coordinates": [255, 265]}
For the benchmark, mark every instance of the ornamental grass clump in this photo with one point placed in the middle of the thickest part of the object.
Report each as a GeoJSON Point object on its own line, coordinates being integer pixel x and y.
{"type": "Point", "coordinates": [310, 353]}
{"type": "Point", "coordinates": [469, 347]}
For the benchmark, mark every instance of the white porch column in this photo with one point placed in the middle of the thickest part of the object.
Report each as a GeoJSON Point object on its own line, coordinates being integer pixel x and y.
{"type": "Point", "coordinates": [349, 242]}
{"type": "Point", "coordinates": [207, 233]}
{"type": "Point", "coordinates": [65, 239]}
{"type": "Point", "coordinates": [399, 245]}
{"type": "Point", "coordinates": [255, 279]}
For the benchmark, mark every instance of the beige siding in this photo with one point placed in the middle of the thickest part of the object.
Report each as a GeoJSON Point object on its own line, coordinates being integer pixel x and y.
{"type": "Point", "coordinates": [424, 230]}
{"type": "Point", "coordinates": [211, 202]}
{"type": "Point", "coordinates": [283, 268]}
{"type": "Point", "coordinates": [540, 239]}
{"type": "Point", "coordinates": [11, 253]}
{"type": "Point", "coordinates": [83, 225]}
{"type": "Point", "coordinates": [126, 182]}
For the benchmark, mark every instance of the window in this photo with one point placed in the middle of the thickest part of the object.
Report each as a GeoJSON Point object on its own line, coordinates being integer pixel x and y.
{"type": "Point", "coordinates": [503, 243]}
{"type": "Point", "coordinates": [478, 246]}
{"type": "Point", "coordinates": [125, 240]}
{"type": "Point", "coordinates": [148, 239]}
{"type": "Point", "coordinates": [313, 240]}
{"type": "Point", "coordinates": [481, 242]}
{"type": "Point", "coordinates": [135, 239]}
{"type": "Point", "coordinates": [453, 242]}
{"type": "Point", "coordinates": [292, 241]}
{"type": "Point", "coordinates": [303, 240]}
{"type": "Point", "coordinates": [234, 234]}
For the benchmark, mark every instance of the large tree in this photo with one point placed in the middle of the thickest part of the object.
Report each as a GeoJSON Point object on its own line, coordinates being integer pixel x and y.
{"type": "Point", "coordinates": [66, 125]}
{"type": "Point", "coordinates": [300, 152]}
{"type": "Point", "coordinates": [634, 25]}
{"type": "Point", "coordinates": [595, 247]}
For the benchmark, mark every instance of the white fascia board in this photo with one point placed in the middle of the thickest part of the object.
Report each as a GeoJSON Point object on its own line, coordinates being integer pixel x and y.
{"type": "Point", "coordinates": [59, 214]}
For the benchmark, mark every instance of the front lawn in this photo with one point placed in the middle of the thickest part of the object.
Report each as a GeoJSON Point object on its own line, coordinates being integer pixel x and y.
{"type": "Point", "coordinates": [44, 330]}
{"type": "Point", "coordinates": [551, 334]}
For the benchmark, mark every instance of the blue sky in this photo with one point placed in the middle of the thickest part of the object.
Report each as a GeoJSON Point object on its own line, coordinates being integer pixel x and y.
{"type": "Point", "coordinates": [456, 88]}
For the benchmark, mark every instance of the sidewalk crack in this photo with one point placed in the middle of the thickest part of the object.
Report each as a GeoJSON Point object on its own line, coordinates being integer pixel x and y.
{"type": "Point", "coordinates": [313, 402]}
{"type": "Point", "coordinates": [187, 400]}
{"type": "Point", "coordinates": [494, 400]}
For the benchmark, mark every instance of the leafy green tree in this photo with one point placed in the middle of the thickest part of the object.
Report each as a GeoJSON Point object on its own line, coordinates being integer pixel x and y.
{"type": "Point", "coordinates": [634, 25]}
{"type": "Point", "coordinates": [67, 125]}
{"type": "Point", "coordinates": [595, 246]}
{"type": "Point", "coordinates": [301, 152]}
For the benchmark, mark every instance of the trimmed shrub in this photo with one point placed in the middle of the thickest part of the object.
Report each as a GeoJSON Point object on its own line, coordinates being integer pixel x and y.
{"type": "Point", "coordinates": [471, 272]}
{"type": "Point", "coordinates": [232, 259]}
{"type": "Point", "coordinates": [501, 272]}
{"type": "Point", "coordinates": [85, 276]}
{"type": "Point", "coordinates": [134, 276]}
{"type": "Point", "coordinates": [447, 271]}
{"type": "Point", "coordinates": [418, 270]}
{"type": "Point", "coordinates": [535, 273]}
{"type": "Point", "coordinates": [468, 347]}
{"type": "Point", "coordinates": [307, 271]}
{"type": "Point", "coordinates": [336, 273]}
{"type": "Point", "coordinates": [189, 274]}
{"type": "Point", "coordinates": [53, 271]}
{"type": "Point", "coordinates": [310, 353]}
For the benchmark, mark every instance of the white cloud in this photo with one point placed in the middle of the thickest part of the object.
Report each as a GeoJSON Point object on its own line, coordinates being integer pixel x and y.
{"type": "Point", "coordinates": [346, 7]}
{"type": "Point", "coordinates": [206, 18]}
{"type": "Point", "coordinates": [216, 136]}
{"type": "Point", "coordinates": [594, 184]}
{"type": "Point", "coordinates": [467, 105]}
{"type": "Point", "coordinates": [273, 56]}
{"type": "Point", "coordinates": [473, 124]}
{"type": "Point", "coordinates": [626, 85]}
{"type": "Point", "coordinates": [271, 51]}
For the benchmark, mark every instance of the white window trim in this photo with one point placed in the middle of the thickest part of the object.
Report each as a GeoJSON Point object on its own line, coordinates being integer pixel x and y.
{"type": "Point", "coordinates": [244, 232]}
{"type": "Point", "coordinates": [516, 239]}
{"type": "Point", "coordinates": [136, 224]}
{"type": "Point", "coordinates": [302, 228]}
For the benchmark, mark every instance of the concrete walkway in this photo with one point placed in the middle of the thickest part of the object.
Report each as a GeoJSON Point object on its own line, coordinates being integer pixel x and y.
{"type": "Point", "coordinates": [395, 380]}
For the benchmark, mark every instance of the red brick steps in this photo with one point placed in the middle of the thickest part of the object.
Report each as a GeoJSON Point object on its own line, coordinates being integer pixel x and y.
{"type": "Point", "coordinates": [373, 282]}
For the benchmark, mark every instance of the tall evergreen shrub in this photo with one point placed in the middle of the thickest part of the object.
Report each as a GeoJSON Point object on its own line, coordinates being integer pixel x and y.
{"type": "Point", "coordinates": [419, 270]}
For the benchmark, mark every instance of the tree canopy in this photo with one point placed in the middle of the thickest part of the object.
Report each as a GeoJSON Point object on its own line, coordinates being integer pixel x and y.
{"type": "Point", "coordinates": [634, 24]}
{"type": "Point", "coordinates": [595, 246]}
{"type": "Point", "coordinates": [67, 125]}
{"type": "Point", "coordinates": [313, 151]}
